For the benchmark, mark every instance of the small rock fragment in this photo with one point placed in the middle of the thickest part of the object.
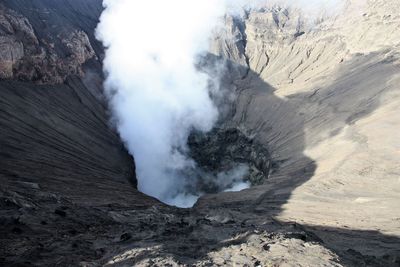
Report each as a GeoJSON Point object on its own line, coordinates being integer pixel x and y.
{"type": "Point", "coordinates": [125, 236]}
{"type": "Point", "coordinates": [60, 213]}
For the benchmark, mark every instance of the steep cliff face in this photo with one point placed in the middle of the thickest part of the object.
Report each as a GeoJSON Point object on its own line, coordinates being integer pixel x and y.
{"type": "Point", "coordinates": [318, 103]}
{"type": "Point", "coordinates": [35, 54]}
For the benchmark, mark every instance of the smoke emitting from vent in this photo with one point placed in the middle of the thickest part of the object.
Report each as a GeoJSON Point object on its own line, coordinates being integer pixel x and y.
{"type": "Point", "coordinates": [155, 92]}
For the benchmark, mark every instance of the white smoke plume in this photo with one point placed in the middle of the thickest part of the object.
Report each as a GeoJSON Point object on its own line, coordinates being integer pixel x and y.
{"type": "Point", "coordinates": [155, 92]}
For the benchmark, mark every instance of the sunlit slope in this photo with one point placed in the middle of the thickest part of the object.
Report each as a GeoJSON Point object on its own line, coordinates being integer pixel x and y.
{"type": "Point", "coordinates": [324, 98]}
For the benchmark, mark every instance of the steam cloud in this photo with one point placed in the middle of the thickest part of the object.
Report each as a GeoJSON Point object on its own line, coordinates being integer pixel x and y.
{"type": "Point", "coordinates": [156, 94]}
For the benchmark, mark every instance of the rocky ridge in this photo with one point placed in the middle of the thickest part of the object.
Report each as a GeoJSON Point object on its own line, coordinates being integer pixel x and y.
{"type": "Point", "coordinates": [25, 58]}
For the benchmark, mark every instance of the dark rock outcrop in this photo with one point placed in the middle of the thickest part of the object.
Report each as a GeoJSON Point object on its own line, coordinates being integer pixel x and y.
{"type": "Point", "coordinates": [37, 45]}
{"type": "Point", "coordinates": [222, 150]}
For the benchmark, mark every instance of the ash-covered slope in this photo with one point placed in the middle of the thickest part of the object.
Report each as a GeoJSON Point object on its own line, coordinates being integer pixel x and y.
{"type": "Point", "coordinates": [58, 156]}
{"type": "Point", "coordinates": [322, 101]}
{"type": "Point", "coordinates": [55, 129]}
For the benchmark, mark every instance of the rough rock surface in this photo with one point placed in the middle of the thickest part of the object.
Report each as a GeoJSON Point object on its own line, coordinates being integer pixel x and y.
{"type": "Point", "coordinates": [221, 150]}
{"type": "Point", "coordinates": [49, 59]}
{"type": "Point", "coordinates": [323, 102]}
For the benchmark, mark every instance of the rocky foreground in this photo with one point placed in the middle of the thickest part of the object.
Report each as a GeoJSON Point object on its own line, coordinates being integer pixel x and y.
{"type": "Point", "coordinates": [323, 99]}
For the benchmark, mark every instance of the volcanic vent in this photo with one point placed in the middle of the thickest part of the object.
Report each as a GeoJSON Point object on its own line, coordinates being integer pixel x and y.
{"type": "Point", "coordinates": [228, 160]}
